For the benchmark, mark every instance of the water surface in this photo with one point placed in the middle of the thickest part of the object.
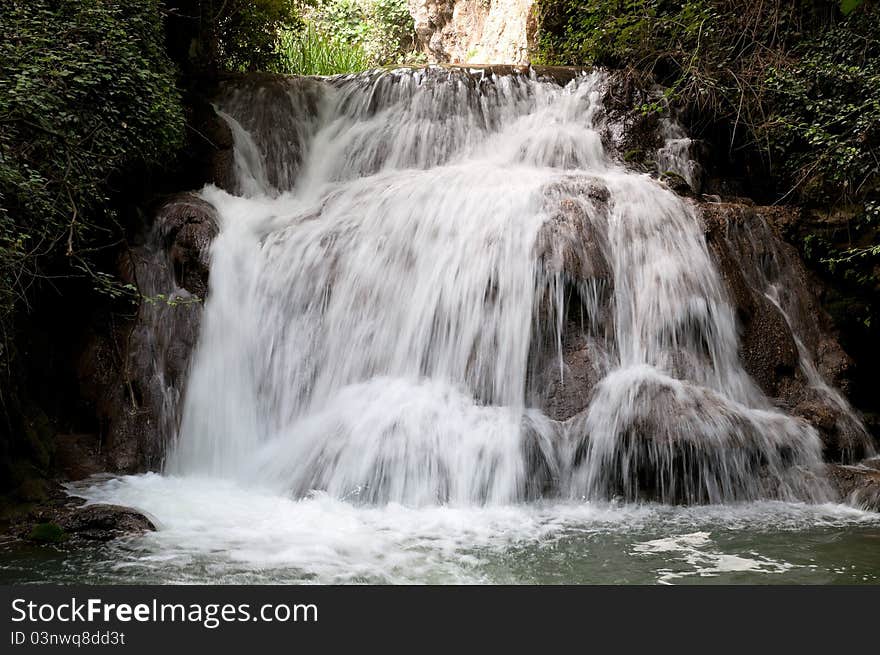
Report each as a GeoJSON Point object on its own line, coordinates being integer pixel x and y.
{"type": "Point", "coordinates": [217, 532]}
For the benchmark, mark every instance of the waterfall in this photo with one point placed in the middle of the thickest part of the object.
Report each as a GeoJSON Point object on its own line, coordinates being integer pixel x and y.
{"type": "Point", "coordinates": [394, 282]}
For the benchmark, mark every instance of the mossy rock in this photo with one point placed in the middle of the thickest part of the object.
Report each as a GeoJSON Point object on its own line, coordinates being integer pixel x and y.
{"type": "Point", "coordinates": [47, 533]}
{"type": "Point", "coordinates": [677, 183]}
{"type": "Point", "coordinates": [634, 155]}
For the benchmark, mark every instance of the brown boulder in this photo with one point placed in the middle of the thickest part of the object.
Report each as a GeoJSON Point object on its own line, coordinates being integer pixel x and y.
{"type": "Point", "coordinates": [135, 373]}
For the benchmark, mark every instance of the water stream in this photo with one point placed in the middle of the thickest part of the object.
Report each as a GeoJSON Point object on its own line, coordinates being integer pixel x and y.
{"type": "Point", "coordinates": [390, 292]}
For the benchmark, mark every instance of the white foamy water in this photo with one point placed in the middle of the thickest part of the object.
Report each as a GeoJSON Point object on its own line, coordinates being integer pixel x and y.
{"type": "Point", "coordinates": [220, 531]}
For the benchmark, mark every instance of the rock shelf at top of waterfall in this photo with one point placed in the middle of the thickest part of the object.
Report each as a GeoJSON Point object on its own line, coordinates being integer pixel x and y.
{"type": "Point", "coordinates": [443, 286]}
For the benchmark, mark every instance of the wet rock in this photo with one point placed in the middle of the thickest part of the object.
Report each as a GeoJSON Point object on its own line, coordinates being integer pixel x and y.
{"type": "Point", "coordinates": [89, 523]}
{"type": "Point", "coordinates": [768, 350]}
{"type": "Point", "coordinates": [857, 485]}
{"type": "Point", "coordinates": [78, 456]}
{"type": "Point", "coordinates": [569, 351]}
{"type": "Point", "coordinates": [63, 519]}
{"type": "Point", "coordinates": [210, 151]}
{"type": "Point", "coordinates": [568, 243]}
{"type": "Point", "coordinates": [188, 226]}
{"type": "Point", "coordinates": [677, 184]}
{"type": "Point", "coordinates": [763, 276]}
{"type": "Point", "coordinates": [568, 384]}
{"type": "Point", "coordinates": [135, 373]}
{"type": "Point", "coordinates": [844, 438]}
{"type": "Point", "coordinates": [278, 113]}
{"type": "Point", "coordinates": [651, 437]}
{"type": "Point", "coordinates": [104, 522]}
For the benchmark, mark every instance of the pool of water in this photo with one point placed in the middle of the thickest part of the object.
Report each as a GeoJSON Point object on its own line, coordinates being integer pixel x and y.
{"type": "Point", "coordinates": [214, 531]}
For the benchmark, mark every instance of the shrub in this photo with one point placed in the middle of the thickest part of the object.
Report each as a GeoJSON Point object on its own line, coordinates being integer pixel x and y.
{"type": "Point", "coordinates": [87, 91]}
{"type": "Point", "coordinates": [384, 29]}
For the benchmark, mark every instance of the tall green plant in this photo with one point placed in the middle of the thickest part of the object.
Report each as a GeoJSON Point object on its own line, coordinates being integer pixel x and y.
{"type": "Point", "coordinates": [384, 29]}
{"type": "Point", "coordinates": [309, 52]}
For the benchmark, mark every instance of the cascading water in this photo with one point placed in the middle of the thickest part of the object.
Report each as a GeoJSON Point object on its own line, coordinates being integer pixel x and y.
{"type": "Point", "coordinates": [392, 282]}
{"type": "Point", "coordinates": [447, 333]}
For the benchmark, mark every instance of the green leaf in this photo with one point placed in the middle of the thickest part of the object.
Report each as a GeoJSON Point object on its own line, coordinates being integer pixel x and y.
{"type": "Point", "coordinates": [849, 6]}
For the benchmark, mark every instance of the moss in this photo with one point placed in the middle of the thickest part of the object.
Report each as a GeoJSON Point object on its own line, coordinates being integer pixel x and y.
{"type": "Point", "coordinates": [47, 533]}
{"type": "Point", "coordinates": [634, 155]}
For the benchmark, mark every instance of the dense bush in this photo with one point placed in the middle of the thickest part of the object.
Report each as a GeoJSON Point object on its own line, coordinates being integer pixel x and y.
{"type": "Point", "coordinates": [383, 29]}
{"type": "Point", "coordinates": [797, 80]}
{"type": "Point", "coordinates": [87, 91]}
{"type": "Point", "coordinates": [824, 107]}
{"type": "Point", "coordinates": [210, 35]}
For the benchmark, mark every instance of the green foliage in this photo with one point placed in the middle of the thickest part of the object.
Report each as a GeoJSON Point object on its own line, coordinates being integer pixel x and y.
{"type": "Point", "coordinates": [825, 122]}
{"type": "Point", "coordinates": [87, 92]}
{"type": "Point", "coordinates": [712, 53]}
{"type": "Point", "coordinates": [825, 137]}
{"type": "Point", "coordinates": [308, 52]}
{"type": "Point", "coordinates": [383, 29]}
{"type": "Point", "coordinates": [205, 36]}
{"type": "Point", "coordinates": [797, 81]}
{"type": "Point", "coordinates": [248, 30]}
{"type": "Point", "coordinates": [849, 6]}
{"type": "Point", "coordinates": [621, 32]}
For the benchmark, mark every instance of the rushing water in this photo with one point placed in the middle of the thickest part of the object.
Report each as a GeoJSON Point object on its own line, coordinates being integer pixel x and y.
{"type": "Point", "coordinates": [217, 531]}
{"type": "Point", "coordinates": [381, 286]}
{"type": "Point", "coordinates": [390, 290]}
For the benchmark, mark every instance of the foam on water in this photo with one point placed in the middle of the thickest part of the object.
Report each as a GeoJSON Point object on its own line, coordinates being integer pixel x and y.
{"type": "Point", "coordinates": [219, 530]}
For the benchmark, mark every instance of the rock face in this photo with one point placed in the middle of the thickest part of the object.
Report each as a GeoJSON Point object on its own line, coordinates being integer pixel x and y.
{"type": "Point", "coordinates": [858, 485]}
{"type": "Point", "coordinates": [571, 251]}
{"type": "Point", "coordinates": [474, 31]}
{"type": "Point", "coordinates": [787, 343]}
{"type": "Point", "coordinates": [136, 372]}
{"type": "Point", "coordinates": [269, 131]}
